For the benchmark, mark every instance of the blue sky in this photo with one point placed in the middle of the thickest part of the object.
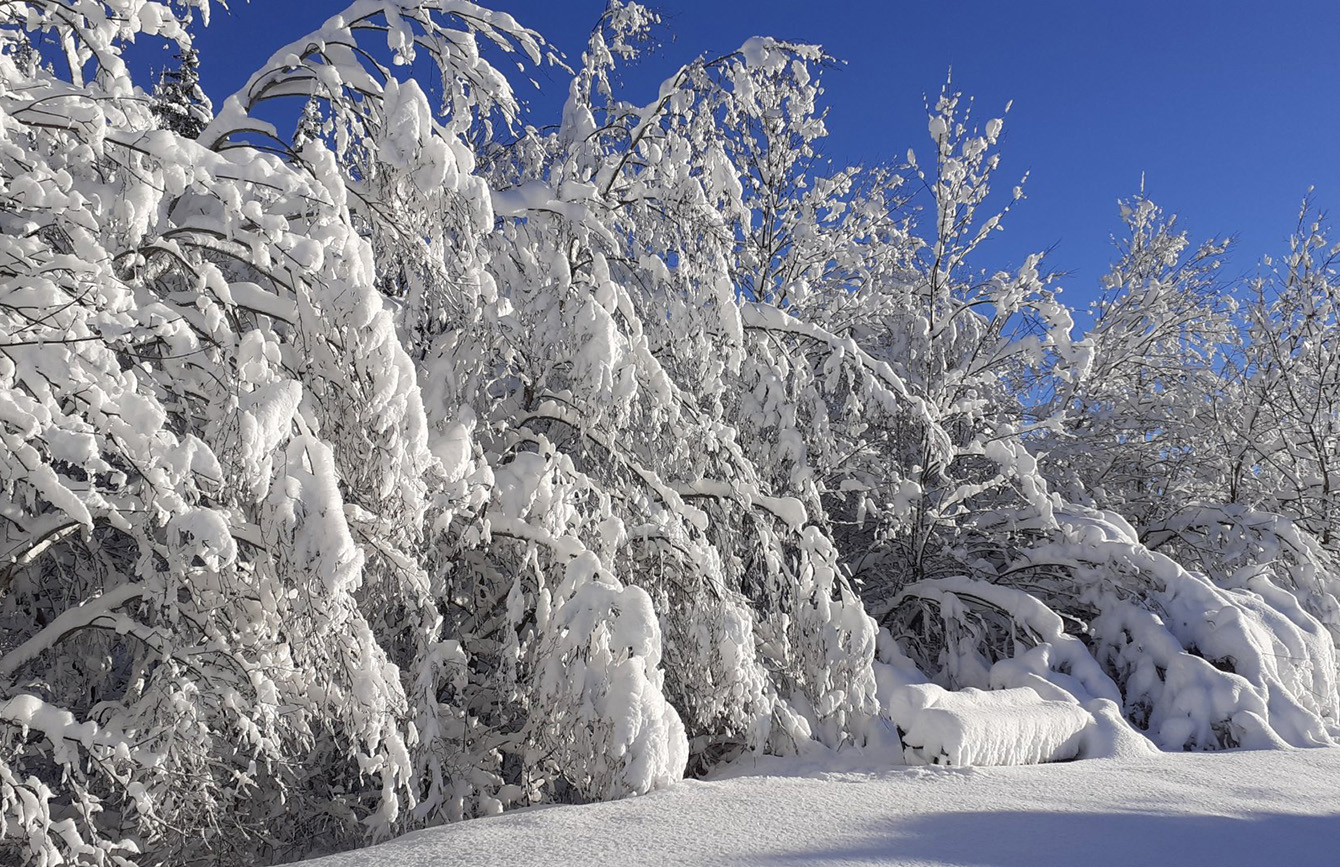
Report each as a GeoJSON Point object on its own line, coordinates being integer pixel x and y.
{"type": "Point", "coordinates": [1227, 108]}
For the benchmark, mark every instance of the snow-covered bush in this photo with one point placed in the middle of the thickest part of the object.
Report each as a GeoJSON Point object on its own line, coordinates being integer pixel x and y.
{"type": "Point", "coordinates": [1197, 660]}
{"type": "Point", "coordinates": [1211, 623]}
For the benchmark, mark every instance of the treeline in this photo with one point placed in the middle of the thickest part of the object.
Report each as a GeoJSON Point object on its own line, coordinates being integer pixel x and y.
{"type": "Point", "coordinates": [422, 463]}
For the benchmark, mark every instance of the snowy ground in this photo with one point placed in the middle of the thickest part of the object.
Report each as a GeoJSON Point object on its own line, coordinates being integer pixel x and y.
{"type": "Point", "coordinates": [1243, 808]}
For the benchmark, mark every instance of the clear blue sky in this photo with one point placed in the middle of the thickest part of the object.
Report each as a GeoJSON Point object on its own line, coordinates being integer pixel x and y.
{"type": "Point", "coordinates": [1227, 107]}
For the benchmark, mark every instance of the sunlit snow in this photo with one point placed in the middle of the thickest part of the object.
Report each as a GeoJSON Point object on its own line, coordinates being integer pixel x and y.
{"type": "Point", "coordinates": [1220, 809]}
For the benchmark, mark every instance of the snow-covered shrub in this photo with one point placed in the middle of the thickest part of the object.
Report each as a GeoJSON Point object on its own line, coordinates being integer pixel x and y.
{"type": "Point", "coordinates": [1212, 625]}
{"type": "Point", "coordinates": [1196, 661]}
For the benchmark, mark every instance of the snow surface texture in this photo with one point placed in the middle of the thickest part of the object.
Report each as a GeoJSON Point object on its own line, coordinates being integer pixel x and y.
{"type": "Point", "coordinates": [1222, 809]}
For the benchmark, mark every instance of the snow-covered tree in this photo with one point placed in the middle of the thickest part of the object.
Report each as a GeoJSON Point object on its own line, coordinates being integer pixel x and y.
{"type": "Point", "coordinates": [179, 102]}
{"type": "Point", "coordinates": [1285, 381]}
{"type": "Point", "coordinates": [946, 485]}
{"type": "Point", "coordinates": [1142, 439]}
{"type": "Point", "coordinates": [622, 344]}
{"type": "Point", "coordinates": [216, 471]}
{"type": "Point", "coordinates": [1212, 625]}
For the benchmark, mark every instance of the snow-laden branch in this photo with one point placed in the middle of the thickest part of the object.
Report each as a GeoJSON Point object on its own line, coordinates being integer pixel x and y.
{"type": "Point", "coordinates": [82, 616]}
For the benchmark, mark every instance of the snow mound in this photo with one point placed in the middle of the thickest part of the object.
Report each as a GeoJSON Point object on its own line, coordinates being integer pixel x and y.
{"type": "Point", "coordinates": [986, 727]}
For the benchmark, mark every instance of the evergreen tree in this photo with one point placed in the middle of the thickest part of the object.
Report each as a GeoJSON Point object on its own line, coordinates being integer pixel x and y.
{"type": "Point", "coordinates": [179, 103]}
